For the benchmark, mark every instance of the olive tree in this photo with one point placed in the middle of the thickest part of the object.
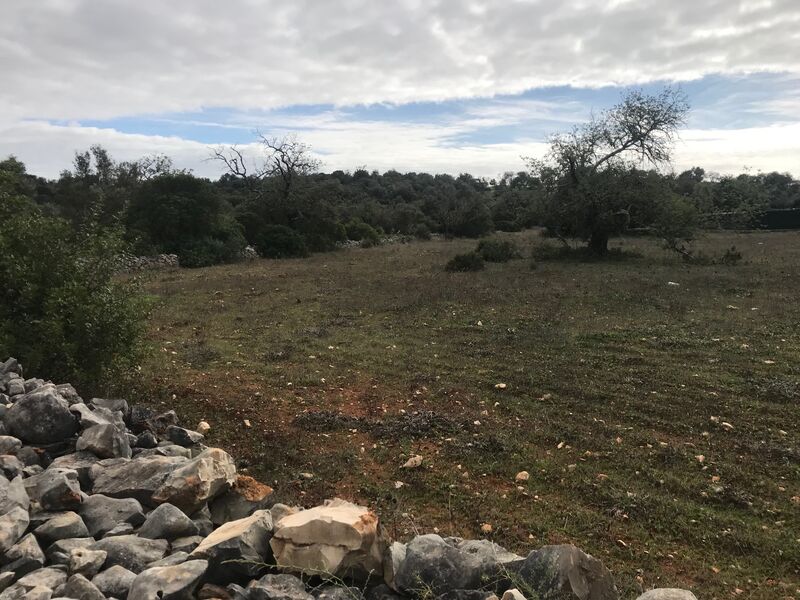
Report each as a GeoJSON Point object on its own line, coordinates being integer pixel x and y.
{"type": "Point", "coordinates": [595, 174]}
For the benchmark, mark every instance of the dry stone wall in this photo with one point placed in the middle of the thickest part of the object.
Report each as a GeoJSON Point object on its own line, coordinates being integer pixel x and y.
{"type": "Point", "coordinates": [99, 499]}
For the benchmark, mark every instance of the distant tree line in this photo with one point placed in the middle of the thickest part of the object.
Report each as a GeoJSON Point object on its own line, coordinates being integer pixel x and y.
{"type": "Point", "coordinates": [285, 207]}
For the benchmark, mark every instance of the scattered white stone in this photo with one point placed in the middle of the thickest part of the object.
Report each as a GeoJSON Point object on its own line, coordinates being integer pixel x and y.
{"type": "Point", "coordinates": [522, 476]}
{"type": "Point", "coordinates": [203, 428]}
{"type": "Point", "coordinates": [413, 462]}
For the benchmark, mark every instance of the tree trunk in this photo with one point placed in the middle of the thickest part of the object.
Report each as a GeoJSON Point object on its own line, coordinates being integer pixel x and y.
{"type": "Point", "coordinates": [598, 243]}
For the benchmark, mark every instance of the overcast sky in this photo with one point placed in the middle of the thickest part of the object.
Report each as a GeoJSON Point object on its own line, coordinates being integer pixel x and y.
{"type": "Point", "coordinates": [433, 85]}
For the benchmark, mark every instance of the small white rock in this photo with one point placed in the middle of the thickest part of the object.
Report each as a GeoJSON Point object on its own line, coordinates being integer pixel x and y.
{"type": "Point", "coordinates": [413, 462]}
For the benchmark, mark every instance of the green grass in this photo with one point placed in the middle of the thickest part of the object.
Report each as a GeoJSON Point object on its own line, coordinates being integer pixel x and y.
{"type": "Point", "coordinates": [612, 379]}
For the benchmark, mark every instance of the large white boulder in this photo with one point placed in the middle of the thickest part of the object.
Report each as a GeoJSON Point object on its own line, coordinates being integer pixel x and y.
{"type": "Point", "coordinates": [338, 538]}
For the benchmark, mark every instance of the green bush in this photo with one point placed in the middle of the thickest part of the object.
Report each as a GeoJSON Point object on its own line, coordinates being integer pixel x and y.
{"type": "Point", "coordinates": [471, 261]}
{"type": "Point", "coordinates": [181, 214]}
{"type": "Point", "coordinates": [63, 312]}
{"type": "Point", "coordinates": [279, 241]}
{"type": "Point", "coordinates": [496, 250]}
{"type": "Point", "coordinates": [359, 231]}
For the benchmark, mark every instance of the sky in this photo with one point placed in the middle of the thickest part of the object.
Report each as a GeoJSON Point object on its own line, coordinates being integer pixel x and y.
{"type": "Point", "coordinates": [414, 85]}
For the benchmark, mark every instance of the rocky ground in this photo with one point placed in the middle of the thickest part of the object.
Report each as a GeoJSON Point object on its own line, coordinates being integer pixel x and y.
{"type": "Point", "coordinates": [100, 499]}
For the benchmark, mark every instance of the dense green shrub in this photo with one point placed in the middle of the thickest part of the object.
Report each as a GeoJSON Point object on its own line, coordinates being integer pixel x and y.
{"type": "Point", "coordinates": [359, 231]}
{"type": "Point", "coordinates": [181, 214]}
{"type": "Point", "coordinates": [279, 241]}
{"type": "Point", "coordinates": [62, 310]}
{"type": "Point", "coordinates": [497, 250]}
{"type": "Point", "coordinates": [471, 261]}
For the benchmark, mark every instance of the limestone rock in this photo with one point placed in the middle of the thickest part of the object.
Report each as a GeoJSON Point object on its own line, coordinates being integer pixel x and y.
{"type": "Point", "coordinates": [131, 551]}
{"type": "Point", "coordinates": [138, 478]}
{"type": "Point", "coordinates": [105, 441]}
{"type": "Point", "coordinates": [431, 563]}
{"type": "Point", "coordinates": [81, 463]}
{"type": "Point", "coordinates": [112, 404]}
{"type": "Point", "coordinates": [114, 581]}
{"type": "Point", "coordinates": [488, 554]}
{"type": "Point", "coordinates": [394, 556]}
{"type": "Point", "coordinates": [6, 579]}
{"type": "Point", "coordinates": [338, 538]}
{"type": "Point", "coordinates": [101, 513]}
{"type": "Point", "coordinates": [50, 577]}
{"type": "Point", "coordinates": [39, 592]}
{"type": "Point", "coordinates": [63, 526]}
{"type": "Point", "coordinates": [667, 594]}
{"type": "Point", "coordinates": [10, 465]}
{"type": "Point", "coordinates": [173, 559]}
{"type": "Point", "coordinates": [55, 489]}
{"type": "Point", "coordinates": [13, 495]}
{"type": "Point", "coordinates": [279, 511]}
{"type": "Point", "coordinates": [24, 556]}
{"type": "Point", "coordinates": [245, 497]}
{"type": "Point", "coordinates": [86, 562]}
{"type": "Point", "coordinates": [89, 418]}
{"type": "Point", "coordinates": [198, 480]}
{"type": "Point", "coordinates": [9, 444]}
{"type": "Point", "coordinates": [167, 522]}
{"type": "Point", "coordinates": [566, 571]}
{"type": "Point", "coordinates": [58, 552]}
{"type": "Point", "coordinates": [80, 588]}
{"type": "Point", "coordinates": [243, 540]}
{"type": "Point", "coordinates": [513, 594]}
{"type": "Point", "coordinates": [183, 437]}
{"type": "Point", "coordinates": [68, 392]}
{"type": "Point", "coordinates": [146, 439]}
{"type": "Point", "coordinates": [168, 583]}
{"type": "Point", "coordinates": [41, 417]}
{"type": "Point", "coordinates": [278, 587]}
{"type": "Point", "coordinates": [12, 525]}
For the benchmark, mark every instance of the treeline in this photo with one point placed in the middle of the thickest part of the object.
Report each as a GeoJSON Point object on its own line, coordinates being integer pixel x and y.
{"type": "Point", "coordinates": [286, 208]}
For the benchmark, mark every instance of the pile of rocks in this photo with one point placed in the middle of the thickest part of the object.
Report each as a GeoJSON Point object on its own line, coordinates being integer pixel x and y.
{"type": "Point", "coordinates": [99, 499]}
{"type": "Point", "coordinates": [130, 263]}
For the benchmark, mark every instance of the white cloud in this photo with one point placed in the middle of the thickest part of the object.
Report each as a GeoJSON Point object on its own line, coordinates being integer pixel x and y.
{"type": "Point", "coordinates": [77, 59]}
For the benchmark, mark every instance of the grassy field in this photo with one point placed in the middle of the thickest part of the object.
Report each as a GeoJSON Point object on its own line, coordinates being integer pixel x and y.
{"type": "Point", "coordinates": [658, 422]}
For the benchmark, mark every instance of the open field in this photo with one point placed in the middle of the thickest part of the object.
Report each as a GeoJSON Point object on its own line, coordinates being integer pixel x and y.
{"type": "Point", "coordinates": [659, 423]}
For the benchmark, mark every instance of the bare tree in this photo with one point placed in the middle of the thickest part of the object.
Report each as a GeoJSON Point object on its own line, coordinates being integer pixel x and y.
{"type": "Point", "coordinates": [286, 159]}
{"type": "Point", "coordinates": [582, 166]}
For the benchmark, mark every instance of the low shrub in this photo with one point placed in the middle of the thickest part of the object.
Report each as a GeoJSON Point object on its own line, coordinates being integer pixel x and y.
{"type": "Point", "coordinates": [63, 310]}
{"type": "Point", "coordinates": [358, 231]}
{"type": "Point", "coordinates": [497, 250]}
{"type": "Point", "coordinates": [279, 241]}
{"type": "Point", "coordinates": [471, 261]}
